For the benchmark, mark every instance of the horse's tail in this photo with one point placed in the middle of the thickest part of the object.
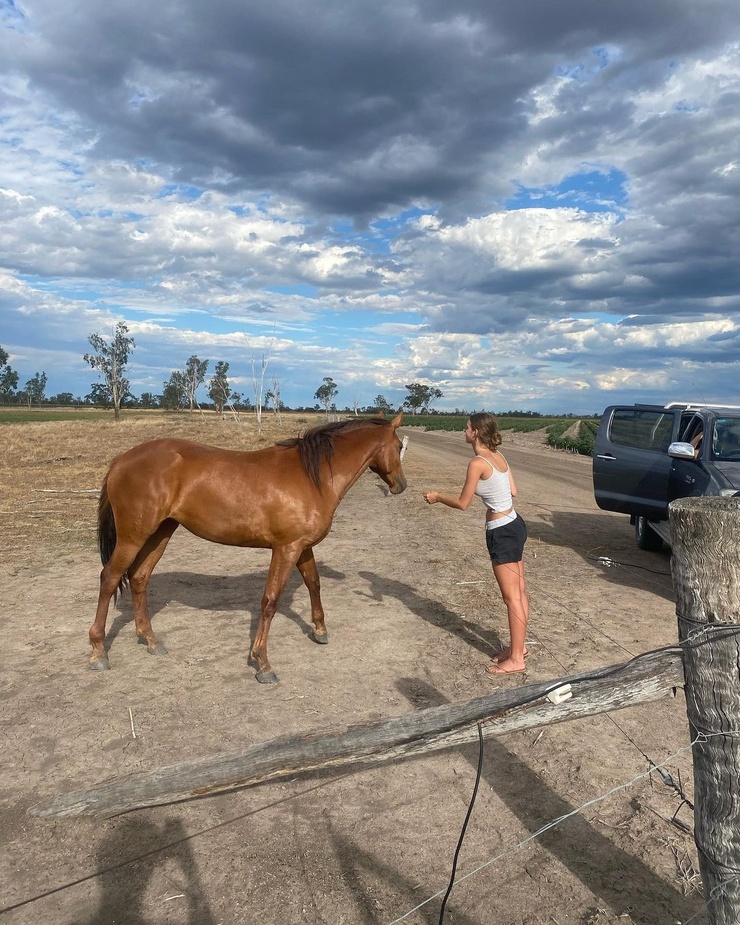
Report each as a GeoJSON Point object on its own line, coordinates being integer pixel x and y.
{"type": "Point", "coordinates": [107, 531]}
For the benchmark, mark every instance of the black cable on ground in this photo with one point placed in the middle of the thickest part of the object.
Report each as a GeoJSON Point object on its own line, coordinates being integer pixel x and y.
{"type": "Point", "coordinates": [609, 562]}
{"type": "Point", "coordinates": [465, 823]}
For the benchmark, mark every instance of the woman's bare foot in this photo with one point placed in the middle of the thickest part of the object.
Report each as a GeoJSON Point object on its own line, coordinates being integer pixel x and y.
{"type": "Point", "coordinates": [505, 654]}
{"type": "Point", "coordinates": [507, 666]}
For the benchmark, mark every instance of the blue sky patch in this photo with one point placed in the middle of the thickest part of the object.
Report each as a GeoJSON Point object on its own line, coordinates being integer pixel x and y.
{"type": "Point", "coordinates": [592, 191]}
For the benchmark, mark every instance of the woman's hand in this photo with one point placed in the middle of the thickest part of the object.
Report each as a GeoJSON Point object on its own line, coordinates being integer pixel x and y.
{"type": "Point", "coordinates": [431, 497]}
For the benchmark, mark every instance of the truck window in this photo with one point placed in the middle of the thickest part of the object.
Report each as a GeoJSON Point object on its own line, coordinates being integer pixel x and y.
{"type": "Point", "coordinates": [693, 432]}
{"type": "Point", "coordinates": [726, 439]}
{"type": "Point", "coordinates": [646, 430]}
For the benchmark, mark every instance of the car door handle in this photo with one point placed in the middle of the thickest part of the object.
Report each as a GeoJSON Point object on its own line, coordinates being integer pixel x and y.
{"type": "Point", "coordinates": [606, 456]}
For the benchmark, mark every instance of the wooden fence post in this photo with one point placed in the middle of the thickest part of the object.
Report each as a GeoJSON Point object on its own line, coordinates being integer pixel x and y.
{"type": "Point", "coordinates": [705, 535]}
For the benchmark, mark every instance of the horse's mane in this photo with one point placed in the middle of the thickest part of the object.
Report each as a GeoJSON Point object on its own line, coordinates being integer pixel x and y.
{"type": "Point", "coordinates": [317, 444]}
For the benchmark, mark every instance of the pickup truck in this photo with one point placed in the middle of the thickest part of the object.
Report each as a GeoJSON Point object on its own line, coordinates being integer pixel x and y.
{"type": "Point", "coordinates": [646, 456]}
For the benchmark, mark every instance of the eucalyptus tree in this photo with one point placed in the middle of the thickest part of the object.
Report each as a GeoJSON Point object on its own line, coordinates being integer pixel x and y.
{"type": "Point", "coordinates": [382, 404]}
{"type": "Point", "coordinates": [326, 393]}
{"type": "Point", "coordinates": [273, 396]}
{"type": "Point", "coordinates": [219, 389]}
{"type": "Point", "coordinates": [174, 391]}
{"type": "Point", "coordinates": [195, 374]}
{"type": "Point", "coordinates": [35, 388]}
{"type": "Point", "coordinates": [111, 359]}
{"type": "Point", "coordinates": [420, 396]}
{"type": "Point", "coordinates": [8, 378]}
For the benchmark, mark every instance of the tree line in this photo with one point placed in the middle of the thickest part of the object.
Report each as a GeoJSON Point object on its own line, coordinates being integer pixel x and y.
{"type": "Point", "coordinates": [111, 356]}
{"type": "Point", "coordinates": [34, 388]}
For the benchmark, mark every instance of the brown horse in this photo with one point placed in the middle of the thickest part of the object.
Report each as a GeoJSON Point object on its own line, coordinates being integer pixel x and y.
{"type": "Point", "coordinates": [281, 498]}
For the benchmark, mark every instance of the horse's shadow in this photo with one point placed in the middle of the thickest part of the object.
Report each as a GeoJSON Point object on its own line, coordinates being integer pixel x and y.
{"type": "Point", "coordinates": [241, 595]}
{"type": "Point", "coordinates": [237, 594]}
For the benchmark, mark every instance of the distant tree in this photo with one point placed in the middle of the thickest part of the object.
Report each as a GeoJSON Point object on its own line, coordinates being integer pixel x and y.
{"type": "Point", "coordinates": [63, 398]}
{"type": "Point", "coordinates": [326, 393]}
{"type": "Point", "coordinates": [420, 397]}
{"type": "Point", "coordinates": [218, 388]}
{"type": "Point", "coordinates": [111, 361]}
{"type": "Point", "coordinates": [149, 400]}
{"type": "Point", "coordinates": [35, 388]}
{"type": "Point", "coordinates": [273, 397]}
{"type": "Point", "coordinates": [8, 378]}
{"type": "Point", "coordinates": [195, 373]}
{"type": "Point", "coordinates": [382, 404]}
{"type": "Point", "coordinates": [239, 403]}
{"type": "Point", "coordinates": [99, 395]}
{"type": "Point", "coordinates": [175, 391]}
{"type": "Point", "coordinates": [258, 381]}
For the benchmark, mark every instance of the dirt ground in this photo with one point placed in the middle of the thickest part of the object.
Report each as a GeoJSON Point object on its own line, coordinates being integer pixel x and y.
{"type": "Point", "coordinates": [414, 616]}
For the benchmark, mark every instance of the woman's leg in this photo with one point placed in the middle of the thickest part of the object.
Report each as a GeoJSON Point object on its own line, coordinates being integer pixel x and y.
{"type": "Point", "coordinates": [510, 578]}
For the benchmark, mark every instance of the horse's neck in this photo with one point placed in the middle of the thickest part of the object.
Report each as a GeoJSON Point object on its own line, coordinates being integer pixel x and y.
{"type": "Point", "coordinates": [345, 472]}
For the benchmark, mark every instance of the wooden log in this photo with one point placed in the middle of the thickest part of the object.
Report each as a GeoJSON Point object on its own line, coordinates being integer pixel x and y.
{"type": "Point", "coordinates": [705, 536]}
{"type": "Point", "coordinates": [640, 680]}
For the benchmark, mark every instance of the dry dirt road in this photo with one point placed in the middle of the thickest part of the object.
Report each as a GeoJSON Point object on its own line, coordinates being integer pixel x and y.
{"type": "Point", "coordinates": [413, 615]}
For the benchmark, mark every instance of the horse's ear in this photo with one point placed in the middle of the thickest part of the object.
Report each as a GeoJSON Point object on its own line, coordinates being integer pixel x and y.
{"type": "Point", "coordinates": [396, 422]}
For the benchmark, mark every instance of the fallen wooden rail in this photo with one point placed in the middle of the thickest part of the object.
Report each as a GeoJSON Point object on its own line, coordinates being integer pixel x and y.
{"type": "Point", "coordinates": [640, 680]}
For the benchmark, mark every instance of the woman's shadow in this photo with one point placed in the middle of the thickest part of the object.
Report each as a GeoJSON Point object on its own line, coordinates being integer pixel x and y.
{"type": "Point", "coordinates": [124, 883]}
{"type": "Point", "coordinates": [433, 612]}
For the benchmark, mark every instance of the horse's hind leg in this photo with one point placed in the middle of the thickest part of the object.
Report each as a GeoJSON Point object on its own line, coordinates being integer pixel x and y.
{"type": "Point", "coordinates": [139, 574]}
{"type": "Point", "coordinates": [110, 579]}
{"type": "Point", "coordinates": [306, 565]}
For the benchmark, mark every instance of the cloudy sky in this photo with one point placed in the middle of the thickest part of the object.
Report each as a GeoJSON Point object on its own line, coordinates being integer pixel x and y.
{"type": "Point", "coordinates": [526, 204]}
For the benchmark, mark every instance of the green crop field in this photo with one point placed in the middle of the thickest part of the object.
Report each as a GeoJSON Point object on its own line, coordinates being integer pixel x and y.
{"type": "Point", "coordinates": [555, 427]}
{"type": "Point", "coordinates": [43, 415]}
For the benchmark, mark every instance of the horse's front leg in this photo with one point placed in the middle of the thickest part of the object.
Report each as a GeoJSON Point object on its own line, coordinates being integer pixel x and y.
{"type": "Point", "coordinates": [281, 565]}
{"type": "Point", "coordinates": [307, 567]}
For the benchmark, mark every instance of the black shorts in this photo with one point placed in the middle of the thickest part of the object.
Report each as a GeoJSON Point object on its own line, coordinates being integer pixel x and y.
{"type": "Point", "coordinates": [506, 544]}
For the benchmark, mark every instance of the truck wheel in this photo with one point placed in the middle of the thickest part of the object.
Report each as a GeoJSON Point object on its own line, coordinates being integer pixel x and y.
{"type": "Point", "coordinates": [645, 536]}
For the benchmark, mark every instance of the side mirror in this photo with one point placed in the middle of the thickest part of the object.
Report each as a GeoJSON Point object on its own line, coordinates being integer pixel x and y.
{"type": "Point", "coordinates": [680, 450]}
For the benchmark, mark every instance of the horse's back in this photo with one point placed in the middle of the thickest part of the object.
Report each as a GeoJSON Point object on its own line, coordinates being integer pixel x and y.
{"type": "Point", "coordinates": [163, 450]}
{"type": "Point", "coordinates": [227, 496]}
{"type": "Point", "coordinates": [185, 462]}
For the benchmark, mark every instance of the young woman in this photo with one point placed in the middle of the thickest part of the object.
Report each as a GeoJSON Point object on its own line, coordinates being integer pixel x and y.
{"type": "Point", "coordinates": [489, 477]}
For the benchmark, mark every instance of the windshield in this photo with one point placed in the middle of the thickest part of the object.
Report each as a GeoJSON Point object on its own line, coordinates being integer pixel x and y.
{"type": "Point", "coordinates": [726, 439]}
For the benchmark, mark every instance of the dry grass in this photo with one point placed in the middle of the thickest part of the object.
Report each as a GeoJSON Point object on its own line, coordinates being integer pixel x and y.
{"type": "Point", "coordinates": [50, 472]}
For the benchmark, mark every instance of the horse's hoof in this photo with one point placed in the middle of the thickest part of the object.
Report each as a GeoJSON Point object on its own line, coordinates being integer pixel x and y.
{"type": "Point", "coordinates": [99, 664]}
{"type": "Point", "coordinates": [267, 677]}
{"type": "Point", "coordinates": [322, 638]}
{"type": "Point", "coordinates": [157, 649]}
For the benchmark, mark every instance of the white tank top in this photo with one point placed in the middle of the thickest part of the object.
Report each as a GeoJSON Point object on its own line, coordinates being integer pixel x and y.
{"type": "Point", "coordinates": [495, 491]}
